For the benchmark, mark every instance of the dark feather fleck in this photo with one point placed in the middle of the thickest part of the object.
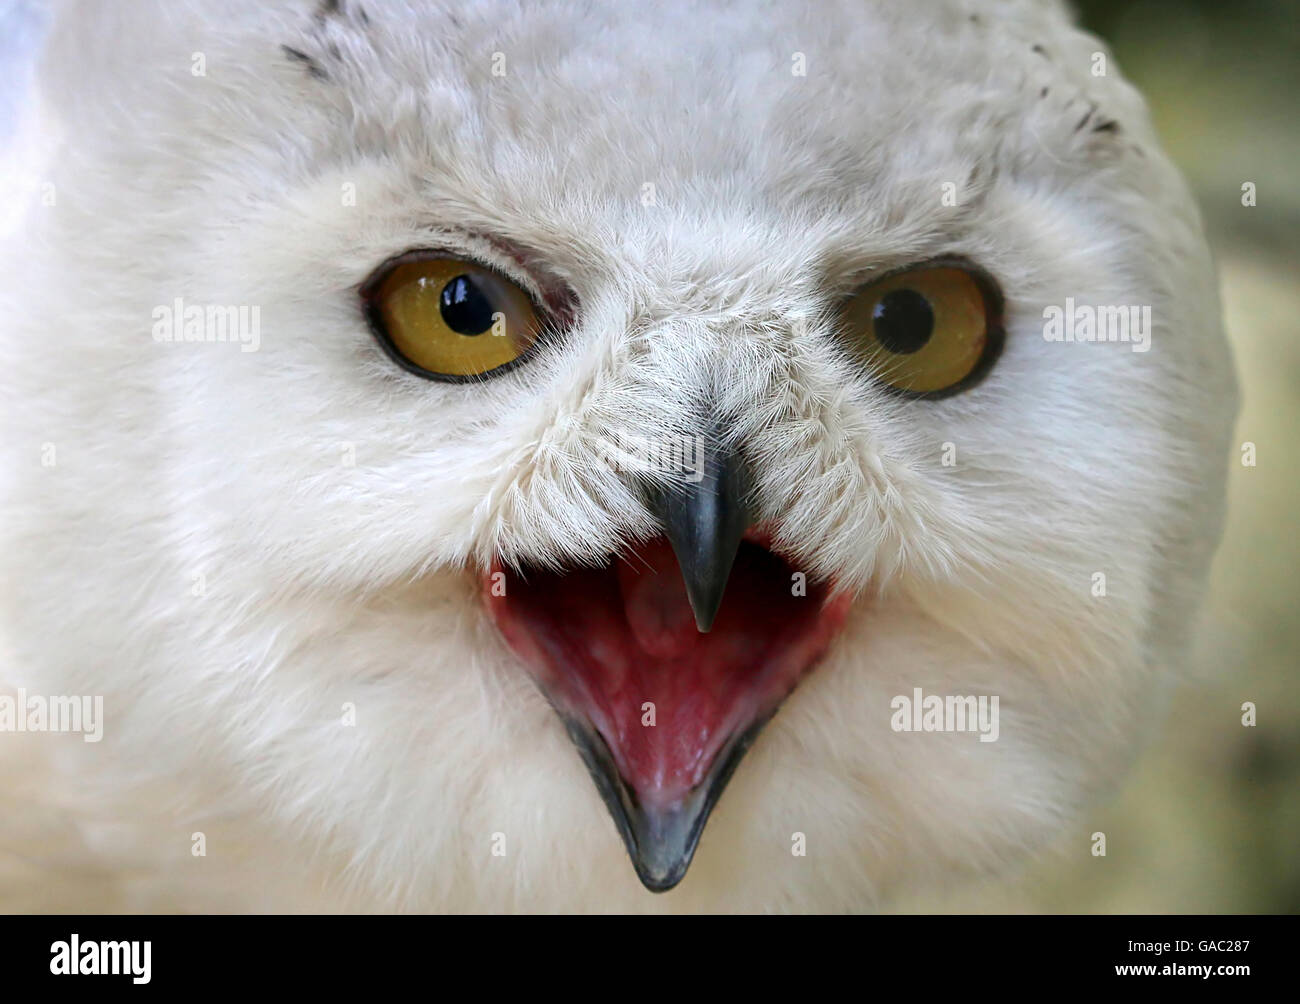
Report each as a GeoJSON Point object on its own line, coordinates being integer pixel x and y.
{"type": "Point", "coordinates": [298, 56]}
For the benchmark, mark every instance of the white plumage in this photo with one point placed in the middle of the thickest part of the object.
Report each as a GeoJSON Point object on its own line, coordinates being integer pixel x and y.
{"type": "Point", "coordinates": [233, 547]}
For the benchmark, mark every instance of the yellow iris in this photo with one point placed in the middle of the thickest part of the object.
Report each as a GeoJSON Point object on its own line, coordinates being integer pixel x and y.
{"type": "Point", "coordinates": [452, 318]}
{"type": "Point", "coordinates": [924, 331]}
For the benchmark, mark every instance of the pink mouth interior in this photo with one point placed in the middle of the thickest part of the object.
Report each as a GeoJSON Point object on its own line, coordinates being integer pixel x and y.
{"type": "Point", "coordinates": [605, 642]}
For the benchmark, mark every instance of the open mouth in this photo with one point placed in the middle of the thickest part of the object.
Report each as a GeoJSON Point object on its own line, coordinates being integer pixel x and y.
{"type": "Point", "coordinates": [662, 678]}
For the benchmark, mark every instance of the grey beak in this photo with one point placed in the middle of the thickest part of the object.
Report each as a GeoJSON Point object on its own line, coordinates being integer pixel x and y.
{"type": "Point", "coordinates": [704, 521]}
{"type": "Point", "coordinates": [660, 842]}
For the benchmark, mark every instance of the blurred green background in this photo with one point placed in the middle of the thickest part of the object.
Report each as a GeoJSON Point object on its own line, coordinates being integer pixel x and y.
{"type": "Point", "coordinates": [1210, 819]}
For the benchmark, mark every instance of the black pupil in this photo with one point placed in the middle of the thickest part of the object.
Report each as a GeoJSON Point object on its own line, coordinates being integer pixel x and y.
{"type": "Point", "coordinates": [904, 321]}
{"type": "Point", "coordinates": [464, 307]}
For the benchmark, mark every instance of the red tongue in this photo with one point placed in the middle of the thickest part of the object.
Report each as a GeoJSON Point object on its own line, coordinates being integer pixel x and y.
{"type": "Point", "coordinates": [655, 603]}
{"type": "Point", "coordinates": [619, 648]}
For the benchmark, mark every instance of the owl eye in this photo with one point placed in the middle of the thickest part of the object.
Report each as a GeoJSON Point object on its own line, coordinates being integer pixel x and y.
{"type": "Point", "coordinates": [926, 332]}
{"type": "Point", "coordinates": [449, 319]}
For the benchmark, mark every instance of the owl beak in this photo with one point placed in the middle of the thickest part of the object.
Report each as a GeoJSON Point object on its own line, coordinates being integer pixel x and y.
{"type": "Point", "coordinates": [704, 521]}
{"type": "Point", "coordinates": [661, 714]}
{"type": "Point", "coordinates": [660, 840]}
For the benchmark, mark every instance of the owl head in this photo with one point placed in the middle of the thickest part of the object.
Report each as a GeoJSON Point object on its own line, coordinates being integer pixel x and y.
{"type": "Point", "coordinates": [814, 427]}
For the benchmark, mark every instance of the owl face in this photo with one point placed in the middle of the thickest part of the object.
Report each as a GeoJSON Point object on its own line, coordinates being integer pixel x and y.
{"type": "Point", "coordinates": [666, 399]}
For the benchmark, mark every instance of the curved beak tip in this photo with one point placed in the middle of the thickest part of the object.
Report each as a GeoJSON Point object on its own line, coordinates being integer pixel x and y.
{"type": "Point", "coordinates": [705, 602]}
{"type": "Point", "coordinates": [663, 842]}
{"type": "Point", "coordinates": [704, 522]}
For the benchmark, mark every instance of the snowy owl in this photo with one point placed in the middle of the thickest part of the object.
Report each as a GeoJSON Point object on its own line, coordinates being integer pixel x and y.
{"type": "Point", "coordinates": [808, 424]}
